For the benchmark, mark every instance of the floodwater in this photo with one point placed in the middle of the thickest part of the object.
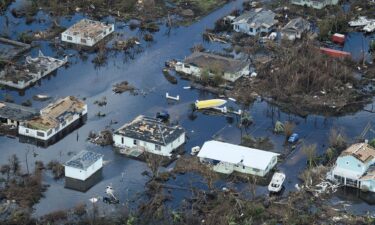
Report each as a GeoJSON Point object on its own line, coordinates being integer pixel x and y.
{"type": "Point", "coordinates": [143, 70]}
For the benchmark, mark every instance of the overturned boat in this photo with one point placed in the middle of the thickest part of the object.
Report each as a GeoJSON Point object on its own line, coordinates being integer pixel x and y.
{"type": "Point", "coordinates": [276, 183]}
{"type": "Point", "coordinates": [212, 103]}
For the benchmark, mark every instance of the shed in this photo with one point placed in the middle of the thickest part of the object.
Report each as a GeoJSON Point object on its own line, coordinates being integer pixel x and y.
{"type": "Point", "coordinates": [83, 170]}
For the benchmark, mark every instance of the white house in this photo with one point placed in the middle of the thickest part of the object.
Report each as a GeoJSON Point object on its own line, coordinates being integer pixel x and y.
{"type": "Point", "coordinates": [82, 169]}
{"type": "Point", "coordinates": [352, 166]}
{"type": "Point", "coordinates": [13, 114]}
{"type": "Point", "coordinates": [87, 32]}
{"type": "Point", "coordinates": [316, 4]}
{"type": "Point", "coordinates": [150, 135]}
{"type": "Point", "coordinates": [295, 28]}
{"type": "Point", "coordinates": [230, 69]}
{"type": "Point", "coordinates": [255, 22]}
{"type": "Point", "coordinates": [34, 69]}
{"type": "Point", "coordinates": [227, 158]}
{"type": "Point", "coordinates": [54, 119]}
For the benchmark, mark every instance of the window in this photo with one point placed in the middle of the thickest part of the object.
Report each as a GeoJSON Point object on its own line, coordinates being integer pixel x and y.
{"type": "Point", "coordinates": [40, 134]}
{"type": "Point", "coordinates": [69, 38]}
{"type": "Point", "coordinates": [157, 147]}
{"type": "Point", "coordinates": [110, 29]}
{"type": "Point", "coordinates": [63, 123]}
{"type": "Point", "coordinates": [256, 170]}
{"type": "Point", "coordinates": [122, 140]}
{"type": "Point", "coordinates": [83, 40]}
{"type": "Point", "coordinates": [347, 162]}
{"type": "Point", "coordinates": [27, 131]}
{"type": "Point", "coordinates": [135, 142]}
{"type": "Point", "coordinates": [186, 66]}
{"type": "Point", "coordinates": [251, 29]}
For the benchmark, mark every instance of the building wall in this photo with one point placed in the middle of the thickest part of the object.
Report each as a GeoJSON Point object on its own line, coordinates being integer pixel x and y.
{"type": "Point", "coordinates": [125, 142]}
{"type": "Point", "coordinates": [46, 135]}
{"type": "Point", "coordinates": [86, 41]}
{"type": "Point", "coordinates": [314, 4]}
{"type": "Point", "coordinates": [85, 185]}
{"type": "Point", "coordinates": [228, 168]}
{"type": "Point", "coordinates": [252, 31]}
{"type": "Point", "coordinates": [83, 174]}
{"type": "Point", "coordinates": [352, 164]}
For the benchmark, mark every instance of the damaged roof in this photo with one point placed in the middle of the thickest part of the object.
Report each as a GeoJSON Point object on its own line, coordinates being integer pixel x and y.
{"type": "Point", "coordinates": [362, 151]}
{"type": "Point", "coordinates": [56, 113]}
{"type": "Point", "coordinates": [215, 62]}
{"type": "Point", "coordinates": [257, 18]}
{"type": "Point", "coordinates": [17, 112]}
{"type": "Point", "coordinates": [150, 130]}
{"type": "Point", "coordinates": [297, 24]}
{"type": "Point", "coordinates": [83, 160]}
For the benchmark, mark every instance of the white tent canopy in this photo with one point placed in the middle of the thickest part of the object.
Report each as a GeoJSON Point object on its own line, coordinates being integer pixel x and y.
{"type": "Point", "coordinates": [236, 154]}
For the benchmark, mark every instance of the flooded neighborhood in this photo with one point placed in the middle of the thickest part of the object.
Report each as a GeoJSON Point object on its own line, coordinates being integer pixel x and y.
{"type": "Point", "coordinates": [187, 112]}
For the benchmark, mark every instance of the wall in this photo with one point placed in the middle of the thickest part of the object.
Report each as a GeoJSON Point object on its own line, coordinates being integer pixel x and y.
{"type": "Point", "coordinates": [227, 168]}
{"type": "Point", "coordinates": [125, 142]}
{"type": "Point", "coordinates": [351, 163]}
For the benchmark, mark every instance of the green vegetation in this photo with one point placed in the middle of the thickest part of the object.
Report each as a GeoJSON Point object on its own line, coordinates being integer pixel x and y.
{"type": "Point", "coordinates": [198, 6]}
{"type": "Point", "coordinates": [331, 25]}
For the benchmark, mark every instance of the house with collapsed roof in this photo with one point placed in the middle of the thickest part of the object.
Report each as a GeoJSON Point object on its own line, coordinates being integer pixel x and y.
{"type": "Point", "coordinates": [228, 158]}
{"type": "Point", "coordinates": [83, 171]}
{"type": "Point", "coordinates": [255, 22]}
{"type": "Point", "coordinates": [295, 28]}
{"type": "Point", "coordinates": [145, 134]}
{"type": "Point", "coordinates": [353, 167]}
{"type": "Point", "coordinates": [316, 4]}
{"type": "Point", "coordinates": [34, 69]}
{"type": "Point", "coordinates": [87, 32]}
{"type": "Point", "coordinates": [55, 119]}
{"type": "Point", "coordinates": [230, 69]}
{"type": "Point", "coordinates": [13, 114]}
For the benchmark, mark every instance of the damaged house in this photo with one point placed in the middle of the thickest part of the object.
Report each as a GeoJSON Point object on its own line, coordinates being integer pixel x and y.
{"type": "Point", "coordinates": [87, 32]}
{"type": "Point", "coordinates": [55, 120]}
{"type": "Point", "coordinates": [34, 69]}
{"type": "Point", "coordinates": [255, 22]}
{"type": "Point", "coordinates": [227, 158]}
{"type": "Point", "coordinates": [354, 167]}
{"type": "Point", "coordinates": [13, 114]}
{"type": "Point", "coordinates": [145, 134]}
{"type": "Point", "coordinates": [316, 4]}
{"type": "Point", "coordinates": [295, 28]}
{"type": "Point", "coordinates": [230, 69]}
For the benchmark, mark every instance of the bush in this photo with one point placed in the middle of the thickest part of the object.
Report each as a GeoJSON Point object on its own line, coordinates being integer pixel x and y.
{"type": "Point", "coordinates": [55, 216]}
{"type": "Point", "coordinates": [56, 168]}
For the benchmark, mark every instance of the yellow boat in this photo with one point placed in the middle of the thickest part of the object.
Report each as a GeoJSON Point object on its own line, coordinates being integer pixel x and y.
{"type": "Point", "coordinates": [206, 104]}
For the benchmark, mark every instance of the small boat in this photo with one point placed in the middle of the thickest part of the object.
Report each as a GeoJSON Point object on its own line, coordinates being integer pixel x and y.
{"type": "Point", "coordinates": [41, 97]}
{"type": "Point", "coordinates": [195, 150]}
{"type": "Point", "coordinates": [212, 103]}
{"type": "Point", "coordinates": [370, 27]}
{"type": "Point", "coordinates": [276, 183]}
